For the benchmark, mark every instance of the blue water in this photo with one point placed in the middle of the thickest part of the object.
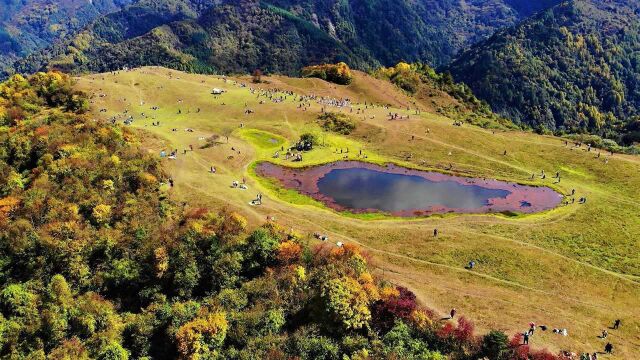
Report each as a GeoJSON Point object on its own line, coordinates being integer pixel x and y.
{"type": "Point", "coordinates": [359, 188]}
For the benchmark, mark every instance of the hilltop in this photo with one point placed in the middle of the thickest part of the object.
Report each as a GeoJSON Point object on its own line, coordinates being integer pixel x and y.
{"type": "Point", "coordinates": [385, 162]}
{"type": "Point", "coordinates": [573, 267]}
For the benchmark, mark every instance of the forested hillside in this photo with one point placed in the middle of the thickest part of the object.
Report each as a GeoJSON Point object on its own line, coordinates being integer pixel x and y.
{"type": "Point", "coordinates": [97, 261]}
{"type": "Point", "coordinates": [575, 68]}
{"type": "Point", "coordinates": [30, 25]}
{"type": "Point", "coordinates": [280, 35]}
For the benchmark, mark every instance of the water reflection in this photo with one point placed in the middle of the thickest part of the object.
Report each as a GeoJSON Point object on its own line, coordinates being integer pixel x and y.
{"type": "Point", "coordinates": [359, 188]}
{"type": "Point", "coordinates": [363, 187]}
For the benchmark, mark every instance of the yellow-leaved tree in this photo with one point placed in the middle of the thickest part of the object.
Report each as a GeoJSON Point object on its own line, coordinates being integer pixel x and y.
{"type": "Point", "coordinates": [202, 337]}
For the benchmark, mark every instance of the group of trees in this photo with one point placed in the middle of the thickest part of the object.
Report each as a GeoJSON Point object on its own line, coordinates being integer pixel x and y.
{"type": "Point", "coordinates": [97, 262]}
{"type": "Point", "coordinates": [196, 36]}
{"type": "Point", "coordinates": [336, 73]}
{"type": "Point", "coordinates": [574, 68]}
{"type": "Point", "coordinates": [22, 98]}
{"type": "Point", "coordinates": [277, 36]}
{"type": "Point", "coordinates": [410, 77]}
{"type": "Point", "coordinates": [31, 25]}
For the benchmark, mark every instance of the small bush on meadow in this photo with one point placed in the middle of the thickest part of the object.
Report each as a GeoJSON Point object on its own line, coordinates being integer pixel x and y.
{"type": "Point", "coordinates": [338, 123]}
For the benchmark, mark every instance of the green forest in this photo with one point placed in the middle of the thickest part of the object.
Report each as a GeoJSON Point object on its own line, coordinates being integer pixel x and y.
{"type": "Point", "coordinates": [97, 261]}
{"type": "Point", "coordinates": [27, 26]}
{"type": "Point", "coordinates": [278, 35]}
{"type": "Point", "coordinates": [574, 68]}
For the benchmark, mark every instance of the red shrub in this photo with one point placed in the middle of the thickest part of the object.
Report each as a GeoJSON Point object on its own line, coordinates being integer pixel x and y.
{"type": "Point", "coordinates": [403, 305]}
{"type": "Point", "coordinates": [385, 312]}
{"type": "Point", "coordinates": [41, 131]}
{"type": "Point", "coordinates": [524, 352]}
{"type": "Point", "coordinates": [15, 114]}
{"type": "Point", "coordinates": [521, 353]}
{"type": "Point", "coordinates": [516, 341]}
{"type": "Point", "coordinates": [196, 213]}
{"type": "Point", "coordinates": [465, 329]}
{"type": "Point", "coordinates": [321, 253]}
{"type": "Point", "coordinates": [289, 252]}
{"type": "Point", "coordinates": [543, 355]}
{"type": "Point", "coordinates": [446, 331]}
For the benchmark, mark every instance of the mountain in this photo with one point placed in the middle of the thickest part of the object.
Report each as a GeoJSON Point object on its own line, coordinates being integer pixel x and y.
{"type": "Point", "coordinates": [30, 25]}
{"type": "Point", "coordinates": [431, 31]}
{"type": "Point", "coordinates": [574, 67]}
{"type": "Point", "coordinates": [280, 35]}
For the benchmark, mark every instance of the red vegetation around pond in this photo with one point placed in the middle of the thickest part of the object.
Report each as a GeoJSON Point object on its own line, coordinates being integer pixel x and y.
{"type": "Point", "coordinates": [521, 198]}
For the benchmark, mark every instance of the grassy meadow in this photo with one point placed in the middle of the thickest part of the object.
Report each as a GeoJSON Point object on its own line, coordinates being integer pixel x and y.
{"type": "Point", "coordinates": [574, 267]}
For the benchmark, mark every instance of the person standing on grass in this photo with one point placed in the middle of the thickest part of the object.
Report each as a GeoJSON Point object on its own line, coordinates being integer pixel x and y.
{"type": "Point", "coordinates": [525, 338]}
{"type": "Point", "coordinates": [452, 313]}
{"type": "Point", "coordinates": [435, 232]}
{"type": "Point", "coordinates": [616, 324]}
{"type": "Point", "coordinates": [608, 348]}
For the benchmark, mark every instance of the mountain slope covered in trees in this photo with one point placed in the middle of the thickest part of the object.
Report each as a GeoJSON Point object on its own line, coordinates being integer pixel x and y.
{"type": "Point", "coordinates": [281, 35]}
{"type": "Point", "coordinates": [574, 67]}
{"type": "Point", "coordinates": [30, 25]}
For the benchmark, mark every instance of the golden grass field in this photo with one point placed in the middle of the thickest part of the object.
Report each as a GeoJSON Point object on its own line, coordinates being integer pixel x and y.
{"type": "Point", "coordinates": [574, 267]}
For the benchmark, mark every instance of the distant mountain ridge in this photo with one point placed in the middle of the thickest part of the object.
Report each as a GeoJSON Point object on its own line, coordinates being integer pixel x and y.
{"type": "Point", "coordinates": [574, 67]}
{"type": "Point", "coordinates": [30, 25]}
{"type": "Point", "coordinates": [281, 35]}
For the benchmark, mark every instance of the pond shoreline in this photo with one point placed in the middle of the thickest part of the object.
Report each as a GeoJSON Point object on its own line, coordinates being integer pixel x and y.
{"type": "Point", "coordinates": [305, 181]}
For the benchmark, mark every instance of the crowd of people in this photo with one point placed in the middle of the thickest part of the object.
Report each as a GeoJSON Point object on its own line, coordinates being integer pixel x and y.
{"type": "Point", "coordinates": [607, 347]}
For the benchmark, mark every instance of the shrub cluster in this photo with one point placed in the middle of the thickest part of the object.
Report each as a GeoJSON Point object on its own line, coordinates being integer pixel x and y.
{"type": "Point", "coordinates": [336, 122]}
{"type": "Point", "coordinates": [336, 73]}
